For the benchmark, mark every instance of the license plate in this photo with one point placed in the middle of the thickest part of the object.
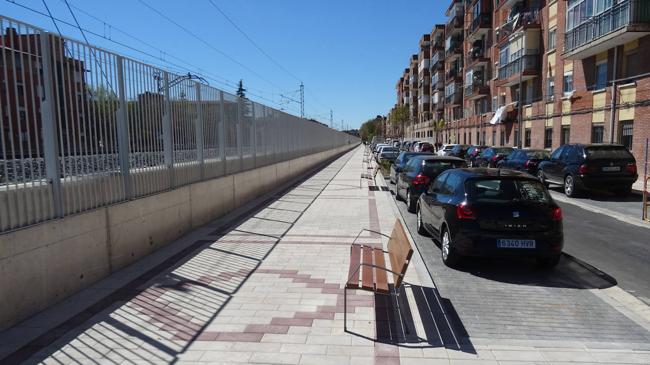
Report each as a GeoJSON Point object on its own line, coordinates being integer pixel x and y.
{"type": "Point", "coordinates": [611, 168]}
{"type": "Point", "coordinates": [508, 243]}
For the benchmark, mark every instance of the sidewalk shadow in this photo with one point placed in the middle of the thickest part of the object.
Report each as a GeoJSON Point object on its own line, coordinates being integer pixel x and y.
{"type": "Point", "coordinates": [602, 196]}
{"type": "Point", "coordinates": [438, 319]}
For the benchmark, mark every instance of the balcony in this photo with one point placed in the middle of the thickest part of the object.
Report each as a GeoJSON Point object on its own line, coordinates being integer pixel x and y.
{"type": "Point", "coordinates": [523, 20]}
{"type": "Point", "coordinates": [622, 23]}
{"type": "Point", "coordinates": [455, 47]}
{"type": "Point", "coordinates": [454, 94]}
{"type": "Point", "coordinates": [479, 26]}
{"type": "Point", "coordinates": [437, 80]}
{"type": "Point", "coordinates": [476, 90]}
{"type": "Point", "coordinates": [452, 74]}
{"type": "Point", "coordinates": [437, 60]}
{"type": "Point", "coordinates": [455, 23]}
{"type": "Point", "coordinates": [523, 68]}
{"type": "Point", "coordinates": [476, 56]}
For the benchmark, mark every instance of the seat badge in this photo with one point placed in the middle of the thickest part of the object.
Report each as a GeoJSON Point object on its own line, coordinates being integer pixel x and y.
{"type": "Point", "coordinates": [515, 214]}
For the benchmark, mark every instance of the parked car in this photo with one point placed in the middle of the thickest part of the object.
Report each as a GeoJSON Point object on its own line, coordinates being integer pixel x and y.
{"type": "Point", "coordinates": [401, 161]}
{"type": "Point", "coordinates": [524, 160]}
{"type": "Point", "coordinates": [472, 153]}
{"type": "Point", "coordinates": [426, 147]}
{"type": "Point", "coordinates": [459, 150]}
{"type": "Point", "coordinates": [580, 167]}
{"type": "Point", "coordinates": [491, 156]}
{"type": "Point", "coordinates": [491, 212]}
{"type": "Point", "coordinates": [418, 173]}
{"type": "Point", "coordinates": [388, 154]}
{"type": "Point", "coordinates": [417, 146]}
{"type": "Point", "coordinates": [445, 149]}
{"type": "Point", "coordinates": [377, 149]}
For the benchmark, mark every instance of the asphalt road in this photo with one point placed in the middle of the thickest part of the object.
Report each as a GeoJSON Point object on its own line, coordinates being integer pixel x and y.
{"type": "Point", "coordinates": [514, 299]}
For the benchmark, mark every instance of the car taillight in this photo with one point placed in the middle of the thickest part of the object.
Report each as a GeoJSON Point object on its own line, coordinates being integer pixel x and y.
{"type": "Point", "coordinates": [631, 168]}
{"type": "Point", "coordinates": [495, 158]}
{"type": "Point", "coordinates": [463, 211]}
{"type": "Point", "coordinates": [421, 179]}
{"type": "Point", "coordinates": [529, 163]}
{"type": "Point", "coordinates": [583, 169]}
{"type": "Point", "coordinates": [557, 214]}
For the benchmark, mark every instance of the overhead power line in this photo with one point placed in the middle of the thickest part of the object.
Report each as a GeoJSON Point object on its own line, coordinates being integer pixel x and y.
{"type": "Point", "coordinates": [254, 43]}
{"type": "Point", "coordinates": [209, 45]}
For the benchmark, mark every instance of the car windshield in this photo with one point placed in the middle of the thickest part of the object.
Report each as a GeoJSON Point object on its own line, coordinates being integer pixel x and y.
{"type": "Point", "coordinates": [433, 168]}
{"type": "Point", "coordinates": [608, 152]}
{"type": "Point", "coordinates": [503, 151]}
{"type": "Point", "coordinates": [540, 155]}
{"type": "Point", "coordinates": [507, 190]}
{"type": "Point", "coordinates": [389, 149]}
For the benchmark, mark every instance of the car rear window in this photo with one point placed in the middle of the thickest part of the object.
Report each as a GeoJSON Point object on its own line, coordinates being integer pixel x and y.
{"type": "Point", "coordinates": [507, 190]}
{"type": "Point", "coordinates": [390, 149]}
{"type": "Point", "coordinates": [502, 150]}
{"type": "Point", "coordinates": [435, 168]}
{"type": "Point", "coordinates": [447, 148]}
{"type": "Point", "coordinates": [608, 152]}
{"type": "Point", "coordinates": [538, 154]}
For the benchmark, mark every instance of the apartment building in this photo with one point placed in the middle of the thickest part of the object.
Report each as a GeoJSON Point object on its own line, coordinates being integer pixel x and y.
{"type": "Point", "coordinates": [542, 73]}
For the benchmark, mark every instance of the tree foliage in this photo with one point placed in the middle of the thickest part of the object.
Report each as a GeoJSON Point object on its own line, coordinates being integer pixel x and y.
{"type": "Point", "coordinates": [371, 128]}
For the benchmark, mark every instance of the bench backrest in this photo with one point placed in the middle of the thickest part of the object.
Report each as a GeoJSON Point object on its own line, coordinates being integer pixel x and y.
{"type": "Point", "coordinates": [399, 252]}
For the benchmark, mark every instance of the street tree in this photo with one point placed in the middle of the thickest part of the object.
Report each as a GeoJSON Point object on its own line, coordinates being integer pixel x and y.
{"type": "Point", "coordinates": [399, 116]}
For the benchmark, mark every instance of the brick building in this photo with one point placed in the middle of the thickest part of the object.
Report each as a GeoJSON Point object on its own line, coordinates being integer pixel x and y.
{"type": "Point", "coordinates": [559, 71]}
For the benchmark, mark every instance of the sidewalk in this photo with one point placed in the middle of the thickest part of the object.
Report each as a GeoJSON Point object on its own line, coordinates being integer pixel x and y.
{"type": "Point", "coordinates": [269, 290]}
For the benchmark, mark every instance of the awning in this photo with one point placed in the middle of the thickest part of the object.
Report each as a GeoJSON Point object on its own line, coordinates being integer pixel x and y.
{"type": "Point", "coordinates": [498, 115]}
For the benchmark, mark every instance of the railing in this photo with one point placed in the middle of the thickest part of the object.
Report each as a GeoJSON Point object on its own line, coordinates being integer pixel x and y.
{"type": "Point", "coordinates": [82, 127]}
{"type": "Point", "coordinates": [474, 88]}
{"type": "Point", "coordinates": [484, 20]}
{"type": "Point", "coordinates": [618, 16]}
{"type": "Point", "coordinates": [526, 18]}
{"type": "Point", "coordinates": [521, 64]}
{"type": "Point", "coordinates": [451, 73]}
{"type": "Point", "coordinates": [454, 46]}
{"type": "Point", "coordinates": [456, 22]}
{"type": "Point", "coordinates": [436, 59]}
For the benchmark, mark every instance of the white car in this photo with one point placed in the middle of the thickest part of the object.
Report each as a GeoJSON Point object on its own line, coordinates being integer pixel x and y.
{"type": "Point", "coordinates": [445, 149]}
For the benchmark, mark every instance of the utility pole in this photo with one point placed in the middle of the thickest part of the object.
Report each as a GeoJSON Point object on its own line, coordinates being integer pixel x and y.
{"type": "Point", "coordinates": [331, 119]}
{"type": "Point", "coordinates": [302, 100]}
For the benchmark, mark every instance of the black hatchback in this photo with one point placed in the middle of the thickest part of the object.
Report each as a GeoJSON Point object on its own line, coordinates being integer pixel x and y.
{"type": "Point", "coordinates": [491, 156]}
{"type": "Point", "coordinates": [524, 160]}
{"type": "Point", "coordinates": [491, 212]}
{"type": "Point", "coordinates": [401, 161]}
{"type": "Point", "coordinates": [418, 173]}
{"type": "Point", "coordinates": [579, 167]}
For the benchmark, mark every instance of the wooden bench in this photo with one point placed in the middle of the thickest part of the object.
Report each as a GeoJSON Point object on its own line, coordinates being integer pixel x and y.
{"type": "Point", "coordinates": [368, 270]}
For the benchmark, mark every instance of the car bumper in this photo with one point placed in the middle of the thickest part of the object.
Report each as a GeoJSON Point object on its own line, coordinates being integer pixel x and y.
{"type": "Point", "coordinates": [484, 244]}
{"type": "Point", "coordinates": [607, 182]}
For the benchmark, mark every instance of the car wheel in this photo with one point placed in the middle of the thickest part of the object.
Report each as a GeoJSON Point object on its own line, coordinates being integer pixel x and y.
{"type": "Point", "coordinates": [410, 204]}
{"type": "Point", "coordinates": [421, 229]}
{"type": "Point", "coordinates": [548, 262]}
{"type": "Point", "coordinates": [449, 256]}
{"type": "Point", "coordinates": [542, 179]}
{"type": "Point", "coordinates": [569, 186]}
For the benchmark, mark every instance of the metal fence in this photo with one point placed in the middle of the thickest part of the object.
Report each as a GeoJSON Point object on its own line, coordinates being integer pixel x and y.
{"type": "Point", "coordinates": [82, 127]}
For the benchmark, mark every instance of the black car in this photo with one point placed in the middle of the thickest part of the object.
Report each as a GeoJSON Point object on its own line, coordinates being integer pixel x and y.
{"type": "Point", "coordinates": [418, 173]}
{"type": "Point", "coordinates": [491, 212]}
{"type": "Point", "coordinates": [472, 153]}
{"type": "Point", "coordinates": [590, 166]}
{"type": "Point", "coordinates": [400, 162]}
{"type": "Point", "coordinates": [459, 150]}
{"type": "Point", "coordinates": [491, 156]}
{"type": "Point", "coordinates": [524, 160]}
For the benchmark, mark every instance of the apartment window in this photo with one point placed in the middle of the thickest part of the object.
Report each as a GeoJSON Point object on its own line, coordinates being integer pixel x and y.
{"type": "Point", "coordinates": [568, 83]}
{"type": "Point", "coordinates": [478, 140]}
{"type": "Point", "coordinates": [504, 56]}
{"type": "Point", "coordinates": [494, 138]}
{"type": "Point", "coordinates": [483, 141]}
{"type": "Point", "coordinates": [601, 75]}
{"type": "Point", "coordinates": [597, 133]}
{"type": "Point", "coordinates": [548, 137]}
{"type": "Point", "coordinates": [626, 133]}
{"type": "Point", "coordinates": [550, 88]}
{"type": "Point", "coordinates": [551, 39]}
{"type": "Point", "coordinates": [517, 137]}
{"type": "Point", "coordinates": [503, 138]}
{"type": "Point", "coordinates": [527, 134]}
{"type": "Point", "coordinates": [565, 136]}
{"type": "Point", "coordinates": [580, 11]}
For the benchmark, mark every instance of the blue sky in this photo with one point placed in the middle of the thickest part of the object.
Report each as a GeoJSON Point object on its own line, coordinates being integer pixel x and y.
{"type": "Point", "coordinates": [349, 53]}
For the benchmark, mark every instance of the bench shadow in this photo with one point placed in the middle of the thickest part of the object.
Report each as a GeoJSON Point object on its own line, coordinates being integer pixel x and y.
{"type": "Point", "coordinates": [395, 324]}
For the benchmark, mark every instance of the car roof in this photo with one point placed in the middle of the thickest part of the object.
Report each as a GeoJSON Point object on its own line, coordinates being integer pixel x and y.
{"type": "Point", "coordinates": [492, 172]}
{"type": "Point", "coordinates": [438, 158]}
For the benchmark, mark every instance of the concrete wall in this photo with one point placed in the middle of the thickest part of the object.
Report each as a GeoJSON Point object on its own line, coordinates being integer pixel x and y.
{"type": "Point", "coordinates": [45, 263]}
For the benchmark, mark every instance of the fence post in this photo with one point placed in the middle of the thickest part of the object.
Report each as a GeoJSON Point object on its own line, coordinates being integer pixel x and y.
{"type": "Point", "coordinates": [254, 132]}
{"type": "Point", "coordinates": [50, 146]}
{"type": "Point", "coordinates": [199, 131]}
{"type": "Point", "coordinates": [123, 131]}
{"type": "Point", "coordinates": [240, 135]}
{"type": "Point", "coordinates": [222, 132]}
{"type": "Point", "coordinates": [168, 145]}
